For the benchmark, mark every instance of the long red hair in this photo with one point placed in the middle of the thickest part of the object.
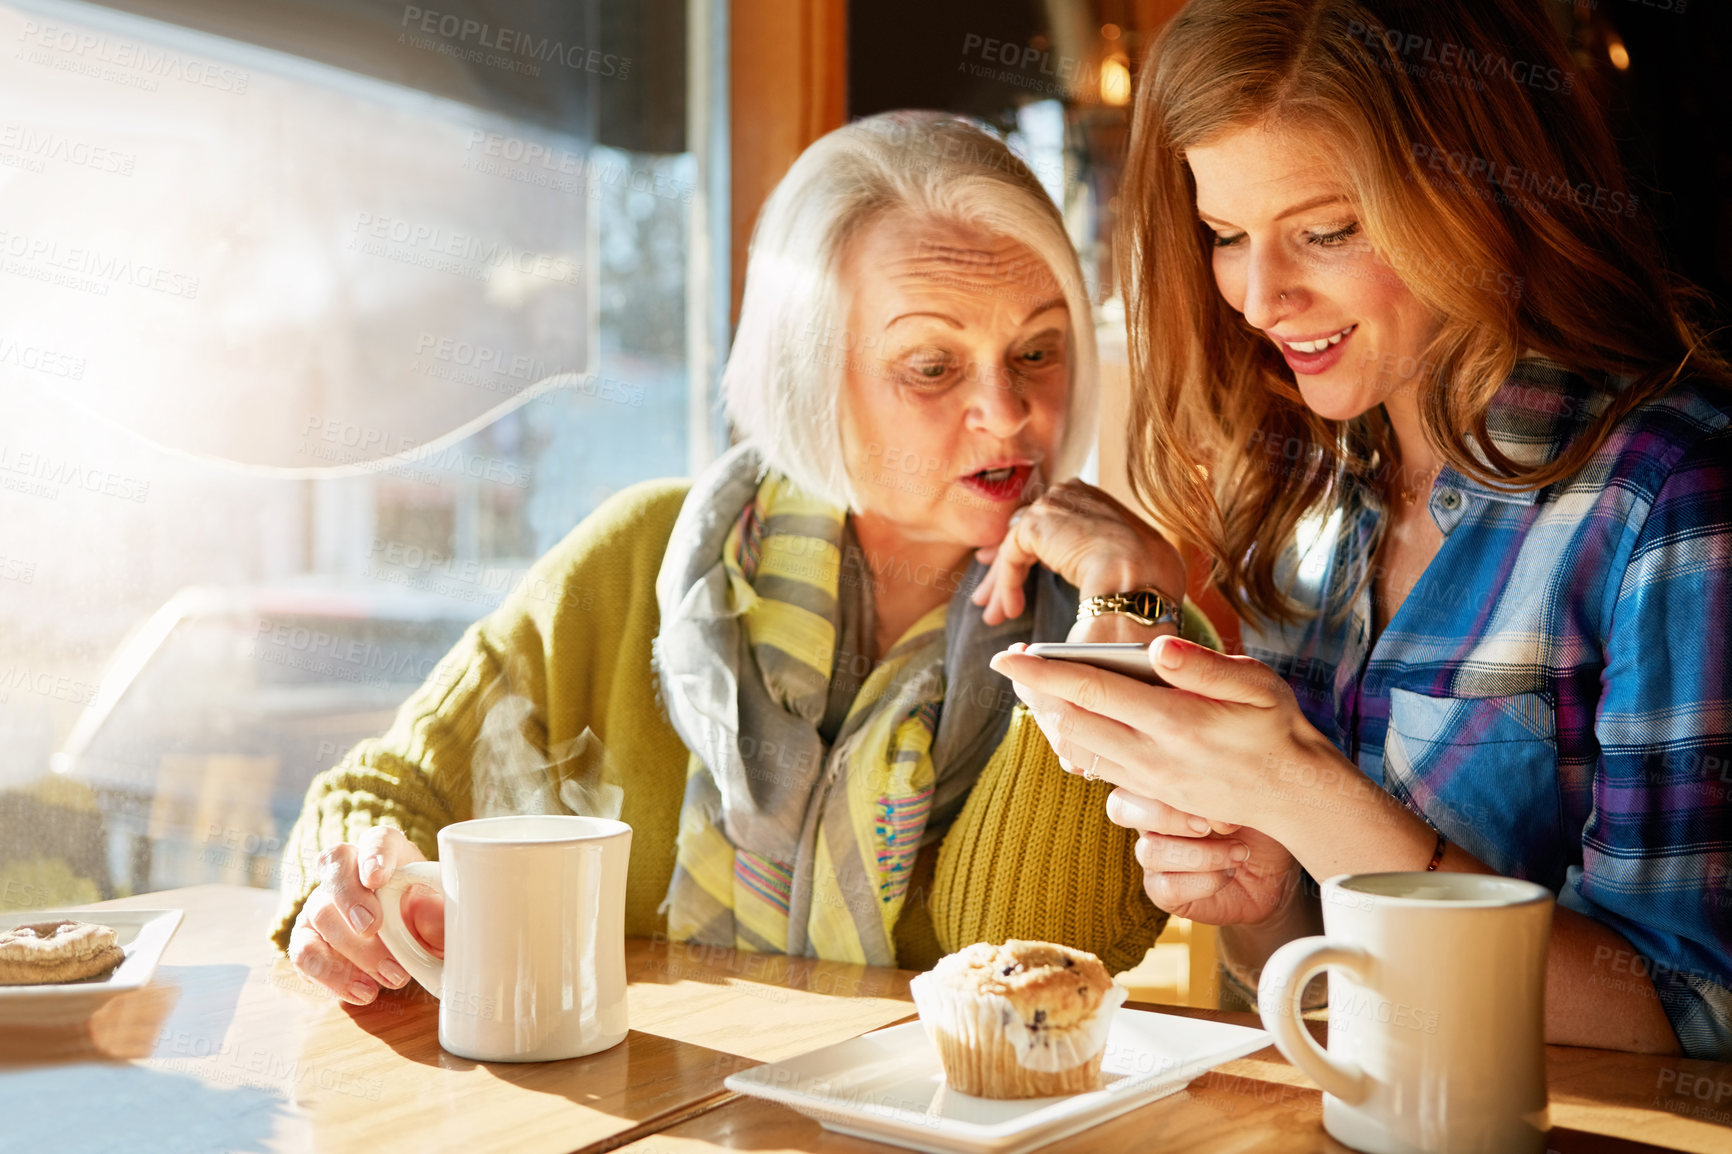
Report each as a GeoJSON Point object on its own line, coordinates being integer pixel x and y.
{"type": "Point", "coordinates": [1467, 141]}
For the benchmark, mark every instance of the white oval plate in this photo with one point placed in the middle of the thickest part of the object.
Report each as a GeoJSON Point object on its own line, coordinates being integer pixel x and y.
{"type": "Point", "coordinates": [142, 934]}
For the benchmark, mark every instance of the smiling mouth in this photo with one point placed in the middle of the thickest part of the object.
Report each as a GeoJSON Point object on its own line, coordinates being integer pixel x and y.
{"type": "Point", "coordinates": [1310, 347]}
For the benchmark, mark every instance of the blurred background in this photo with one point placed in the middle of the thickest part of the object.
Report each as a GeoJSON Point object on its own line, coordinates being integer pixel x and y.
{"type": "Point", "coordinates": [321, 319]}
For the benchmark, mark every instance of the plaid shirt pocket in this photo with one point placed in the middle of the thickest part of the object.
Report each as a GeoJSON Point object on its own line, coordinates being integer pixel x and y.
{"type": "Point", "coordinates": [1484, 771]}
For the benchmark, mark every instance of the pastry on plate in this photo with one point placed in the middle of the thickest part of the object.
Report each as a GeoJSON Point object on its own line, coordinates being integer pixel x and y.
{"type": "Point", "coordinates": [57, 951]}
{"type": "Point", "coordinates": [1020, 1020]}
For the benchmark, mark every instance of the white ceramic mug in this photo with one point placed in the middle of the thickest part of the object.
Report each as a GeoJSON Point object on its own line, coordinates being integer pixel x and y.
{"type": "Point", "coordinates": [534, 966]}
{"type": "Point", "coordinates": [1437, 1004]}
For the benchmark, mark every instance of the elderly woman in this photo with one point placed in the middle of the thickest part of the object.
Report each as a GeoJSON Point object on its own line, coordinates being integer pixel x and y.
{"type": "Point", "coordinates": [781, 658]}
{"type": "Point", "coordinates": [1417, 385]}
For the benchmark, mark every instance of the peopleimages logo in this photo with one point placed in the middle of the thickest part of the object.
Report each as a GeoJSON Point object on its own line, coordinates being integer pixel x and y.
{"type": "Point", "coordinates": [459, 253]}
{"type": "Point", "coordinates": [45, 258]}
{"type": "Point", "coordinates": [348, 443]}
{"type": "Point", "coordinates": [1506, 182]}
{"type": "Point", "coordinates": [41, 474]}
{"type": "Point", "coordinates": [35, 147]}
{"type": "Point", "coordinates": [91, 51]}
{"type": "Point", "coordinates": [21, 678]}
{"type": "Point", "coordinates": [1426, 59]}
{"type": "Point", "coordinates": [36, 358]}
{"type": "Point", "coordinates": [547, 49]}
{"type": "Point", "coordinates": [560, 169]}
{"type": "Point", "coordinates": [1025, 66]}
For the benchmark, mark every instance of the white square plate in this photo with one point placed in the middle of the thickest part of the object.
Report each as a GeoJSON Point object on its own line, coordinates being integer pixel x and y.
{"type": "Point", "coordinates": [888, 1085]}
{"type": "Point", "coordinates": [142, 934]}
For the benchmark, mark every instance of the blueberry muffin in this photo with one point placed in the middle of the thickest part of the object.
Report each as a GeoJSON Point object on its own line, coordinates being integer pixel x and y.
{"type": "Point", "coordinates": [1021, 1020]}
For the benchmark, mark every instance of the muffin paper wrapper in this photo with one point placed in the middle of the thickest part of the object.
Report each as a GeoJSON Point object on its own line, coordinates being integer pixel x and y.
{"type": "Point", "coordinates": [987, 1021]}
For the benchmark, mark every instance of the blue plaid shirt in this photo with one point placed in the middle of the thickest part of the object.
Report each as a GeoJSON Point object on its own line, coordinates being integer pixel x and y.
{"type": "Point", "coordinates": [1555, 694]}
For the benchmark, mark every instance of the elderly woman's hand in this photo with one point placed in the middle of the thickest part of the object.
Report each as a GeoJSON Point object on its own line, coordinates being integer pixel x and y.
{"type": "Point", "coordinates": [1089, 539]}
{"type": "Point", "coordinates": [1236, 876]}
{"type": "Point", "coordinates": [335, 940]}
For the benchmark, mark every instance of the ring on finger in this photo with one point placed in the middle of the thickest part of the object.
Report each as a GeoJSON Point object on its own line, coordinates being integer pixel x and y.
{"type": "Point", "coordinates": [1089, 774]}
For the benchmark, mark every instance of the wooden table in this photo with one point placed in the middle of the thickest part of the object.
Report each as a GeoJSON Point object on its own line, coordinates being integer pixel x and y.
{"type": "Point", "coordinates": [1601, 1103]}
{"type": "Point", "coordinates": [229, 1049]}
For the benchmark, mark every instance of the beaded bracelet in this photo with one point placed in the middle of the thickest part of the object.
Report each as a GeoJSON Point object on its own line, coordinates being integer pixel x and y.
{"type": "Point", "coordinates": [1437, 854]}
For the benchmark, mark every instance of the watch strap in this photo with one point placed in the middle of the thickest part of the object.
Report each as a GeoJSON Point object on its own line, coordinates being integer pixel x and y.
{"type": "Point", "coordinates": [1144, 606]}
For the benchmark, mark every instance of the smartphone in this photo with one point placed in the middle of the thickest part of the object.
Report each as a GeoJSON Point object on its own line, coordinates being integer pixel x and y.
{"type": "Point", "coordinates": [1126, 657]}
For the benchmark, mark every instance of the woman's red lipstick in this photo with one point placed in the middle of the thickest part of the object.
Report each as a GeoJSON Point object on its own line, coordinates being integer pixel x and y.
{"type": "Point", "coordinates": [1320, 361]}
{"type": "Point", "coordinates": [1004, 483]}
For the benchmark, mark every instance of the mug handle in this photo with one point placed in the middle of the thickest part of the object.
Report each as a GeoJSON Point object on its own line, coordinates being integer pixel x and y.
{"type": "Point", "coordinates": [1285, 976]}
{"type": "Point", "coordinates": [398, 938]}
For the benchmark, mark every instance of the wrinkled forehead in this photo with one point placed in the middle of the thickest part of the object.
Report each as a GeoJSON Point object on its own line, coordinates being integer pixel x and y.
{"type": "Point", "coordinates": [903, 256]}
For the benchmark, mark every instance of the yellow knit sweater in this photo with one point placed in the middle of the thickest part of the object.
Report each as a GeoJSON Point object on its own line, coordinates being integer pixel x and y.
{"type": "Point", "coordinates": [1032, 854]}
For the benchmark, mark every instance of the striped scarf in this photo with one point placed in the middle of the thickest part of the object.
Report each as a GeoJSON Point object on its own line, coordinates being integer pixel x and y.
{"type": "Point", "coordinates": [815, 774]}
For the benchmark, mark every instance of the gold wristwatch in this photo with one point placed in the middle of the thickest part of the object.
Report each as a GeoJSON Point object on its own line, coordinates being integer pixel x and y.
{"type": "Point", "coordinates": [1144, 606]}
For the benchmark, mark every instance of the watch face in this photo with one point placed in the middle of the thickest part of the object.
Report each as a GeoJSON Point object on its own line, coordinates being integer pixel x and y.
{"type": "Point", "coordinates": [1145, 604]}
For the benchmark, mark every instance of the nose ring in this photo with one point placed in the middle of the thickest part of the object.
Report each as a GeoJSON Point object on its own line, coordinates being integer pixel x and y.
{"type": "Point", "coordinates": [1283, 296]}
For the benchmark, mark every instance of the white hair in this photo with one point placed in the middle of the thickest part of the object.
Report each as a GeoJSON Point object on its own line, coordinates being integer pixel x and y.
{"type": "Point", "coordinates": [784, 375]}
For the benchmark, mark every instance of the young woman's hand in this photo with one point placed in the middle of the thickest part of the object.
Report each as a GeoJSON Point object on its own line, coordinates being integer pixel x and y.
{"type": "Point", "coordinates": [1086, 537]}
{"type": "Point", "coordinates": [335, 941]}
{"type": "Point", "coordinates": [1227, 741]}
{"type": "Point", "coordinates": [1226, 878]}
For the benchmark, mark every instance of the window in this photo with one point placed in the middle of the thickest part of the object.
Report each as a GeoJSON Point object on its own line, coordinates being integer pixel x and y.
{"type": "Point", "coordinates": [326, 317]}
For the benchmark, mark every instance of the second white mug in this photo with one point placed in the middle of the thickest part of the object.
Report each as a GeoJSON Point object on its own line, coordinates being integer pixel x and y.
{"type": "Point", "coordinates": [534, 965]}
{"type": "Point", "coordinates": [1436, 1012]}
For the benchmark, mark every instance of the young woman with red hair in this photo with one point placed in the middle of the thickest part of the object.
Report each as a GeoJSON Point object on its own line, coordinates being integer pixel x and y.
{"type": "Point", "coordinates": [1410, 375]}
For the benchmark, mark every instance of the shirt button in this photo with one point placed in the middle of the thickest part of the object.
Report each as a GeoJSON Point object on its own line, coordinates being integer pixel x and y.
{"type": "Point", "coordinates": [1449, 499]}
